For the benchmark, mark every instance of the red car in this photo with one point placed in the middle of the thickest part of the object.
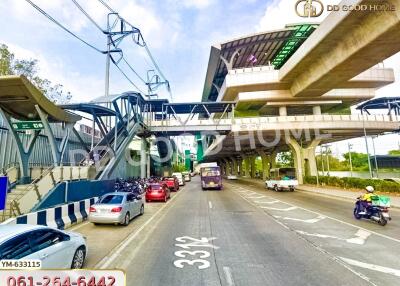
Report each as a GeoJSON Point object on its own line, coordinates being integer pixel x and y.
{"type": "Point", "coordinates": [157, 192]}
{"type": "Point", "coordinates": [172, 183]}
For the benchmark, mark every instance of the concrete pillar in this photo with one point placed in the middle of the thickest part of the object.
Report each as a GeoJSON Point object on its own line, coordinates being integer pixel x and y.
{"type": "Point", "coordinates": [272, 159]}
{"type": "Point", "coordinates": [304, 156]}
{"type": "Point", "coordinates": [143, 158]}
{"type": "Point", "coordinates": [228, 167]}
{"type": "Point", "coordinates": [253, 166]}
{"type": "Point", "coordinates": [234, 166]}
{"type": "Point", "coordinates": [265, 158]}
{"type": "Point", "coordinates": [240, 163]}
{"type": "Point", "coordinates": [316, 110]}
{"type": "Point", "coordinates": [282, 111]}
{"type": "Point", "coordinates": [247, 167]}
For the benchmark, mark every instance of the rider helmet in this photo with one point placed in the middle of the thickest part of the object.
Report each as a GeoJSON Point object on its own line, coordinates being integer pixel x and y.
{"type": "Point", "coordinates": [369, 189]}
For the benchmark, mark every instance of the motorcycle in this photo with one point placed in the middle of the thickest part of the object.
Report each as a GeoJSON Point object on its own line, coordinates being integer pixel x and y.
{"type": "Point", "coordinates": [375, 212]}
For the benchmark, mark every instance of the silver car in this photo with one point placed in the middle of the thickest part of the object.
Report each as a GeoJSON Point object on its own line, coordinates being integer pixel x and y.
{"type": "Point", "coordinates": [117, 208]}
{"type": "Point", "coordinates": [56, 249]}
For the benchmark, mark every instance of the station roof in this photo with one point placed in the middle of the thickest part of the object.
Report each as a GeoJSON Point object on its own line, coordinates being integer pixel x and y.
{"type": "Point", "coordinates": [134, 97]}
{"type": "Point", "coordinates": [199, 107]}
{"type": "Point", "coordinates": [380, 103]}
{"type": "Point", "coordinates": [89, 108]}
{"type": "Point", "coordinates": [273, 47]}
{"type": "Point", "coordinates": [18, 98]}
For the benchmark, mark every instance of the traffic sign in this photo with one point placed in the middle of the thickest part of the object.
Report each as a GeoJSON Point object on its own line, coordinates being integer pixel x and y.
{"type": "Point", "coordinates": [28, 125]}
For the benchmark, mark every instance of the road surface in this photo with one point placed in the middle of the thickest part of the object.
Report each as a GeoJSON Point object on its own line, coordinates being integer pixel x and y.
{"type": "Point", "coordinates": [245, 235]}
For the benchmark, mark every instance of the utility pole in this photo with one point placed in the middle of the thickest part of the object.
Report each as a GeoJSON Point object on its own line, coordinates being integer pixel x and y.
{"type": "Point", "coordinates": [376, 162]}
{"type": "Point", "coordinates": [351, 164]}
{"type": "Point", "coordinates": [366, 146]}
{"type": "Point", "coordinates": [322, 160]}
{"type": "Point", "coordinates": [327, 159]}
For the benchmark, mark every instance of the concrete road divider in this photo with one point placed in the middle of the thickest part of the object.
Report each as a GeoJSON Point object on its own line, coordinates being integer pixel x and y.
{"type": "Point", "coordinates": [61, 217]}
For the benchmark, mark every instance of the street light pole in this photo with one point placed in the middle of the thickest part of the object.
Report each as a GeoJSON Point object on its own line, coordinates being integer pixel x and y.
{"type": "Point", "coordinates": [366, 145]}
{"type": "Point", "coordinates": [351, 164]}
{"type": "Point", "coordinates": [376, 162]}
{"type": "Point", "coordinates": [327, 159]}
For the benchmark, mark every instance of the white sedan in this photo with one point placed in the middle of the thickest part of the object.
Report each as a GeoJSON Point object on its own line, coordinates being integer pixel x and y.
{"type": "Point", "coordinates": [231, 177]}
{"type": "Point", "coordinates": [56, 249]}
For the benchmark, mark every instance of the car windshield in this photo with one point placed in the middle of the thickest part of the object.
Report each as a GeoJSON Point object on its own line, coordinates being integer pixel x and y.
{"type": "Point", "coordinates": [112, 199]}
{"type": "Point", "coordinates": [210, 172]}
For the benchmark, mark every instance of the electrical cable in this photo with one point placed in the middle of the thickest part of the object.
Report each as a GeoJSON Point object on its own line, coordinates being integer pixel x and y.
{"type": "Point", "coordinates": [62, 26]}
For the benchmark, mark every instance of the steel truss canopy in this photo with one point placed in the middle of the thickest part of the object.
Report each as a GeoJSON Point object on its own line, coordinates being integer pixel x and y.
{"type": "Point", "coordinates": [89, 108]}
{"type": "Point", "coordinates": [261, 49]}
{"type": "Point", "coordinates": [381, 103]}
{"type": "Point", "coordinates": [199, 107]}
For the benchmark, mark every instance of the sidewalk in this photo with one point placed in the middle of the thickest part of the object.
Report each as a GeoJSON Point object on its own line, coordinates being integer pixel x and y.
{"type": "Point", "coordinates": [330, 191]}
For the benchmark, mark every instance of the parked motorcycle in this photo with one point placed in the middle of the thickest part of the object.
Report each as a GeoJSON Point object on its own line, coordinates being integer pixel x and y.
{"type": "Point", "coordinates": [377, 211]}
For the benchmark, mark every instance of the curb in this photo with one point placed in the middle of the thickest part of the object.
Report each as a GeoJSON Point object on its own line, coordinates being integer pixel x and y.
{"type": "Point", "coordinates": [61, 217]}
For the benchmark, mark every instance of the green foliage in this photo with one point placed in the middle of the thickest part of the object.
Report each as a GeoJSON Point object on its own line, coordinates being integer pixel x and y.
{"type": "Point", "coordinates": [179, 168]}
{"type": "Point", "coordinates": [334, 163]}
{"type": "Point", "coordinates": [247, 113]}
{"type": "Point", "coordinates": [285, 159]}
{"type": "Point", "coordinates": [9, 65]}
{"type": "Point", "coordinates": [357, 183]}
{"type": "Point", "coordinates": [394, 152]}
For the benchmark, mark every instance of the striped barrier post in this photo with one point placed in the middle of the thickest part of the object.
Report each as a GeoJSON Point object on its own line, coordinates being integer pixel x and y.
{"type": "Point", "coordinates": [60, 217]}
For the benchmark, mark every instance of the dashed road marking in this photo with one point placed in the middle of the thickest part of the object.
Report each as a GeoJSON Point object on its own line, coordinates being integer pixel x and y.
{"type": "Point", "coordinates": [279, 209]}
{"type": "Point", "coordinates": [359, 238]}
{"type": "Point", "coordinates": [210, 204]}
{"type": "Point", "coordinates": [387, 270]}
{"type": "Point", "coordinates": [342, 222]}
{"type": "Point", "coordinates": [311, 220]}
{"type": "Point", "coordinates": [228, 276]}
{"type": "Point", "coordinates": [269, 202]}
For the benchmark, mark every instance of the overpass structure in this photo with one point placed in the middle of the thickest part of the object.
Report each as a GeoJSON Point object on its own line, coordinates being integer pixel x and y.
{"type": "Point", "coordinates": [294, 87]}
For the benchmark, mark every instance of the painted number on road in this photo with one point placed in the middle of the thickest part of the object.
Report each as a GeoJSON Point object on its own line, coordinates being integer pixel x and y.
{"type": "Point", "coordinates": [187, 242]}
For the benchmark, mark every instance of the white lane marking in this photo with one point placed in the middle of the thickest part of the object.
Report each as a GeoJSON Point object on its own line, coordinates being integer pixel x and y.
{"type": "Point", "coordinates": [343, 222]}
{"type": "Point", "coordinates": [278, 209]}
{"type": "Point", "coordinates": [257, 197]}
{"type": "Point", "coordinates": [228, 276]}
{"type": "Point", "coordinates": [270, 202]}
{"type": "Point", "coordinates": [210, 204]}
{"type": "Point", "coordinates": [311, 220]}
{"type": "Point", "coordinates": [360, 236]}
{"type": "Point", "coordinates": [109, 259]}
{"type": "Point", "coordinates": [387, 270]}
{"type": "Point", "coordinates": [78, 226]}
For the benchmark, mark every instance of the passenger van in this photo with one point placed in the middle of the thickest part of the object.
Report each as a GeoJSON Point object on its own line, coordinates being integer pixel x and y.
{"type": "Point", "coordinates": [211, 178]}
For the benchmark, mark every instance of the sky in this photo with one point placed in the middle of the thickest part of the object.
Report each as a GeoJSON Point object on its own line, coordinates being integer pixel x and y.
{"type": "Point", "coordinates": [178, 33]}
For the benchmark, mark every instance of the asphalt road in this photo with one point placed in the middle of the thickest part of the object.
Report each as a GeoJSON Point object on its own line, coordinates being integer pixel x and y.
{"type": "Point", "coordinates": [243, 236]}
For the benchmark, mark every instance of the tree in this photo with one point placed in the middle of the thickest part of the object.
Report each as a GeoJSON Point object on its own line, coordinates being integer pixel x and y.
{"type": "Point", "coordinates": [359, 160]}
{"type": "Point", "coordinates": [9, 65]}
{"type": "Point", "coordinates": [285, 159]}
{"type": "Point", "coordinates": [394, 152]}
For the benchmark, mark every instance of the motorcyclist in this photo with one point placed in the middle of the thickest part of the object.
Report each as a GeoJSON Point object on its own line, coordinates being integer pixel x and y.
{"type": "Point", "coordinates": [366, 200]}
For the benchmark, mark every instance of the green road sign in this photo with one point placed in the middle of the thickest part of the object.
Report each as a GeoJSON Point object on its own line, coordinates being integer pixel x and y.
{"type": "Point", "coordinates": [28, 125]}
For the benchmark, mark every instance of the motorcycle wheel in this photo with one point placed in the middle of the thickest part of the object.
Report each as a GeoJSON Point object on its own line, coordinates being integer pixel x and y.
{"type": "Point", "coordinates": [356, 215]}
{"type": "Point", "coordinates": [382, 220]}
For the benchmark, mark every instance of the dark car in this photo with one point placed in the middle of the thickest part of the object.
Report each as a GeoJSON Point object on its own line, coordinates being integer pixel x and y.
{"type": "Point", "coordinates": [157, 192]}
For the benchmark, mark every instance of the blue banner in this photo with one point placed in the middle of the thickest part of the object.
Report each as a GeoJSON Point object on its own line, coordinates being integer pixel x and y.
{"type": "Point", "coordinates": [3, 192]}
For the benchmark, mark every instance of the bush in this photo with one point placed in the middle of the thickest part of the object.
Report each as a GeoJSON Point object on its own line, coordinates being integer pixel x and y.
{"type": "Point", "coordinates": [357, 183]}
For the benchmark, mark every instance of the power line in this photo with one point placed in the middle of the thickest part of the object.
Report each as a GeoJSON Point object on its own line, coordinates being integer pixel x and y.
{"type": "Point", "coordinates": [62, 27]}
{"type": "Point", "coordinates": [87, 15]}
{"type": "Point", "coordinates": [145, 45]}
{"type": "Point", "coordinates": [131, 68]}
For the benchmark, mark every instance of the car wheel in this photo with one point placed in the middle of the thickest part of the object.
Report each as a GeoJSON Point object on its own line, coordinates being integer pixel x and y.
{"type": "Point", "coordinates": [79, 258]}
{"type": "Point", "coordinates": [141, 210]}
{"type": "Point", "coordinates": [127, 219]}
{"type": "Point", "coordinates": [165, 199]}
{"type": "Point", "coordinates": [276, 189]}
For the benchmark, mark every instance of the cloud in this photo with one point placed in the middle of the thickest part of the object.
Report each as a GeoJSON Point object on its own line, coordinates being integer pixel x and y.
{"type": "Point", "coordinates": [197, 4]}
{"type": "Point", "coordinates": [83, 87]}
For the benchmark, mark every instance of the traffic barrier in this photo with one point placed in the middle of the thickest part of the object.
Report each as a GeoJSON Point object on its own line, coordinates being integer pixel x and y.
{"type": "Point", "coordinates": [61, 217]}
